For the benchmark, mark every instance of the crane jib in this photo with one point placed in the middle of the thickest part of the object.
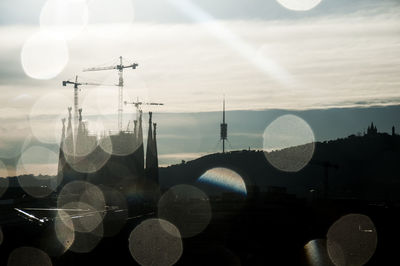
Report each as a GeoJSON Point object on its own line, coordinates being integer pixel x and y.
{"type": "Point", "coordinates": [120, 68]}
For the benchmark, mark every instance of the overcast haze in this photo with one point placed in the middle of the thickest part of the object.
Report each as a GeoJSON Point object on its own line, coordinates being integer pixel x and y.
{"type": "Point", "coordinates": [340, 54]}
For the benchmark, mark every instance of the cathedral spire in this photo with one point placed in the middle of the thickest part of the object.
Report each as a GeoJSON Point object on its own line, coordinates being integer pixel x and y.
{"type": "Point", "coordinates": [149, 150]}
{"type": "Point", "coordinates": [151, 153]}
{"type": "Point", "coordinates": [61, 158]}
{"type": "Point", "coordinates": [80, 140]}
{"type": "Point", "coordinates": [155, 151]}
{"type": "Point", "coordinates": [139, 142]}
{"type": "Point", "coordinates": [69, 139]}
{"type": "Point", "coordinates": [140, 131]}
{"type": "Point", "coordinates": [135, 131]}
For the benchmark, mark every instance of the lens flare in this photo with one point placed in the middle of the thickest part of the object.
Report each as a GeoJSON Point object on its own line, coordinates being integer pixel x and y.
{"type": "Point", "coordinates": [45, 117]}
{"type": "Point", "coordinates": [42, 162]}
{"type": "Point", "coordinates": [288, 143]}
{"type": "Point", "coordinates": [26, 255]}
{"type": "Point", "coordinates": [187, 207]}
{"type": "Point", "coordinates": [85, 203]}
{"type": "Point", "coordinates": [86, 242]}
{"type": "Point", "coordinates": [44, 55]}
{"type": "Point", "coordinates": [117, 213]}
{"type": "Point", "coordinates": [89, 163]}
{"type": "Point", "coordinates": [155, 242]}
{"type": "Point", "coordinates": [316, 253]}
{"type": "Point", "coordinates": [85, 218]}
{"type": "Point", "coordinates": [81, 191]}
{"type": "Point", "coordinates": [82, 207]}
{"type": "Point", "coordinates": [67, 17]}
{"type": "Point", "coordinates": [224, 178]}
{"type": "Point", "coordinates": [352, 240]}
{"type": "Point", "coordinates": [299, 5]}
{"type": "Point", "coordinates": [64, 229]}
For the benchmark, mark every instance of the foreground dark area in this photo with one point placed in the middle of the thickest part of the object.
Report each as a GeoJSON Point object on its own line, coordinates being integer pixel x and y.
{"type": "Point", "coordinates": [345, 199]}
{"type": "Point", "coordinates": [270, 231]}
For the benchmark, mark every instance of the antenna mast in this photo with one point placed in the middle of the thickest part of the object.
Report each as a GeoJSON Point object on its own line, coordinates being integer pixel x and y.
{"type": "Point", "coordinates": [224, 128]}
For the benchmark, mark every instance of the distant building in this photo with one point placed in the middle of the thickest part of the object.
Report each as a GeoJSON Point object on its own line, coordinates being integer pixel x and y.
{"type": "Point", "coordinates": [151, 153]}
{"type": "Point", "coordinates": [372, 130]}
{"type": "Point", "coordinates": [115, 160]}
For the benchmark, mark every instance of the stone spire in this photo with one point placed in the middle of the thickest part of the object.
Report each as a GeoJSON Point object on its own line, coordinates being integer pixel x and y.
{"type": "Point", "coordinates": [155, 152]}
{"type": "Point", "coordinates": [149, 150]}
{"type": "Point", "coordinates": [151, 154]}
{"type": "Point", "coordinates": [61, 158]}
{"type": "Point", "coordinates": [140, 130]}
{"type": "Point", "coordinates": [135, 132]}
{"type": "Point", "coordinates": [139, 141]}
{"type": "Point", "coordinates": [80, 147]}
{"type": "Point", "coordinates": [69, 138]}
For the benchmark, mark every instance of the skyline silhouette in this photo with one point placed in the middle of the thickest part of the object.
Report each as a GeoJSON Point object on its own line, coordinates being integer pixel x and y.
{"type": "Point", "coordinates": [271, 132]}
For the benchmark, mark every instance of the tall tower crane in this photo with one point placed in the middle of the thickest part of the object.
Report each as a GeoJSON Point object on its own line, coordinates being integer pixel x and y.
{"type": "Point", "coordinates": [76, 96]}
{"type": "Point", "coordinates": [120, 69]}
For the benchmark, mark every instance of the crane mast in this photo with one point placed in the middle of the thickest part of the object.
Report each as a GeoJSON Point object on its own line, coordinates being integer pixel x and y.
{"type": "Point", "coordinates": [76, 96]}
{"type": "Point", "coordinates": [76, 100]}
{"type": "Point", "coordinates": [120, 67]}
{"type": "Point", "coordinates": [120, 93]}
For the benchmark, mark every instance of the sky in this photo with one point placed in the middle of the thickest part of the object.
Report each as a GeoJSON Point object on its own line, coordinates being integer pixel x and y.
{"type": "Point", "coordinates": [262, 55]}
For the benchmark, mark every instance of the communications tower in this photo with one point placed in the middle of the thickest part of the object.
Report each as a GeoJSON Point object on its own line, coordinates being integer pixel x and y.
{"type": "Point", "coordinates": [224, 128]}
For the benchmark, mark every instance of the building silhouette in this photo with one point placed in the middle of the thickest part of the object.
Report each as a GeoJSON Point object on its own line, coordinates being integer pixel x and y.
{"type": "Point", "coordinates": [114, 160]}
{"type": "Point", "coordinates": [372, 130]}
{"type": "Point", "coordinates": [151, 153]}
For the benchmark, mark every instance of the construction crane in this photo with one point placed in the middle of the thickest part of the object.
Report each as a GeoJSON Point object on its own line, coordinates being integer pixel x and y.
{"type": "Point", "coordinates": [137, 104]}
{"type": "Point", "coordinates": [76, 99]}
{"type": "Point", "coordinates": [120, 69]}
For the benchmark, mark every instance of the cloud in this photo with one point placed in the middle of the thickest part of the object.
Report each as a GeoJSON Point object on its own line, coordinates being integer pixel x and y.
{"type": "Point", "coordinates": [161, 11]}
{"type": "Point", "coordinates": [344, 59]}
{"type": "Point", "coordinates": [188, 69]}
{"type": "Point", "coordinates": [335, 66]}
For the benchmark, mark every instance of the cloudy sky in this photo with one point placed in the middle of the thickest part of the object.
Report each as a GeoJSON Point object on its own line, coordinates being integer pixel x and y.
{"type": "Point", "coordinates": [293, 55]}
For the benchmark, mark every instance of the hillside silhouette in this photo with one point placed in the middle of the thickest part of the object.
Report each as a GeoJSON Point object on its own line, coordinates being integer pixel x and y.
{"type": "Point", "coordinates": [363, 167]}
{"type": "Point", "coordinates": [268, 222]}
